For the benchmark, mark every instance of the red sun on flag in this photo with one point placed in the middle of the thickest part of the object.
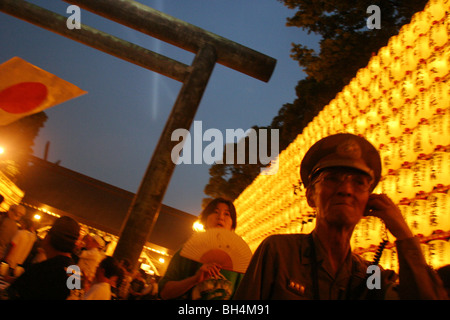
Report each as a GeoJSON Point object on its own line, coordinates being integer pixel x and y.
{"type": "Point", "coordinates": [23, 97]}
{"type": "Point", "coordinates": [26, 89]}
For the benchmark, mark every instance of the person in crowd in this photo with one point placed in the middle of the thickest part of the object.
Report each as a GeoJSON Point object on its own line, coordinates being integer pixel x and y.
{"type": "Point", "coordinates": [137, 285]}
{"type": "Point", "coordinates": [123, 283]}
{"type": "Point", "coordinates": [36, 255]}
{"type": "Point", "coordinates": [106, 276]}
{"type": "Point", "coordinates": [184, 277]}
{"type": "Point", "coordinates": [90, 258]}
{"type": "Point", "coordinates": [47, 280]}
{"type": "Point", "coordinates": [21, 243]}
{"type": "Point", "coordinates": [8, 227]}
{"type": "Point", "coordinates": [151, 290]}
{"type": "Point", "coordinates": [339, 172]}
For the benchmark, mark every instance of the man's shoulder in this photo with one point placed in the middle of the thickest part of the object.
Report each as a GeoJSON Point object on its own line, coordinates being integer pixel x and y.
{"type": "Point", "coordinates": [284, 240]}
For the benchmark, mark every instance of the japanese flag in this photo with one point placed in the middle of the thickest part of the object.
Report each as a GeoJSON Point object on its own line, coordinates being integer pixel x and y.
{"type": "Point", "coordinates": [26, 89]}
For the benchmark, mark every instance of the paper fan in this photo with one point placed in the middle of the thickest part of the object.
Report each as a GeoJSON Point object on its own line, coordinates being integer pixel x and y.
{"type": "Point", "coordinates": [221, 246]}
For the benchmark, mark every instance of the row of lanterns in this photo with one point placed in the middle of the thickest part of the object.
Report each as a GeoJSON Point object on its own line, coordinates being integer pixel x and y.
{"type": "Point", "coordinates": [401, 103]}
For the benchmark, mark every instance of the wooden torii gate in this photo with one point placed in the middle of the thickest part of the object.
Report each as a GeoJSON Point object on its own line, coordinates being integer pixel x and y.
{"type": "Point", "coordinates": [208, 48]}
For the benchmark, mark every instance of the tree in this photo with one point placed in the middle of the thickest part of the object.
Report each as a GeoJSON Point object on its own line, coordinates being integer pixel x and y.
{"type": "Point", "coordinates": [18, 139]}
{"type": "Point", "coordinates": [346, 45]}
{"type": "Point", "coordinates": [228, 180]}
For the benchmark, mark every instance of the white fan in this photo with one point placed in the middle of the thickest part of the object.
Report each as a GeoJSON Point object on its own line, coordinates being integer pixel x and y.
{"type": "Point", "coordinates": [221, 246]}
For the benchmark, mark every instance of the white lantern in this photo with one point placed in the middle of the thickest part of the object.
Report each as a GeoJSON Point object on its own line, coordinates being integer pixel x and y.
{"type": "Point", "coordinates": [440, 127]}
{"type": "Point", "coordinates": [440, 168]}
{"type": "Point", "coordinates": [439, 218]}
{"type": "Point", "coordinates": [439, 253]}
{"type": "Point", "coordinates": [439, 36]}
{"type": "Point", "coordinates": [435, 10]}
{"type": "Point", "coordinates": [420, 213]}
{"type": "Point", "coordinates": [407, 36]}
{"type": "Point", "coordinates": [420, 22]}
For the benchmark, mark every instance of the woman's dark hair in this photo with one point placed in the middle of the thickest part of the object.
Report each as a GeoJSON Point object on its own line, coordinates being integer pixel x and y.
{"type": "Point", "coordinates": [213, 205]}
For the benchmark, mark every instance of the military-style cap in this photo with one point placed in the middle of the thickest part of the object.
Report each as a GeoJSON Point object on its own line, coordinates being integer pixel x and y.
{"type": "Point", "coordinates": [341, 150]}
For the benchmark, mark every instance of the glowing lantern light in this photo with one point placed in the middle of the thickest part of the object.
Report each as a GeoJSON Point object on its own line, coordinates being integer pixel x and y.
{"type": "Point", "coordinates": [420, 210]}
{"type": "Point", "coordinates": [411, 216]}
{"type": "Point", "coordinates": [422, 49]}
{"type": "Point", "coordinates": [421, 77]}
{"type": "Point", "coordinates": [405, 147]}
{"type": "Point", "coordinates": [384, 79]}
{"type": "Point", "coordinates": [395, 98]}
{"type": "Point", "coordinates": [387, 185]}
{"type": "Point", "coordinates": [407, 36]}
{"type": "Point", "coordinates": [409, 89]}
{"type": "Point", "coordinates": [374, 65]}
{"type": "Point", "coordinates": [440, 170]}
{"type": "Point", "coordinates": [375, 90]}
{"type": "Point", "coordinates": [422, 172]}
{"type": "Point", "coordinates": [439, 65]}
{"type": "Point", "coordinates": [408, 60]}
{"type": "Point", "coordinates": [385, 57]}
{"type": "Point", "coordinates": [440, 127]}
{"type": "Point", "coordinates": [386, 155]}
{"type": "Point", "coordinates": [422, 104]}
{"type": "Point", "coordinates": [395, 47]}
{"type": "Point", "coordinates": [435, 9]}
{"type": "Point", "coordinates": [439, 218]}
{"type": "Point", "coordinates": [422, 138]}
{"type": "Point", "coordinates": [420, 23]}
{"type": "Point", "coordinates": [439, 34]}
{"type": "Point", "coordinates": [397, 70]}
{"type": "Point", "coordinates": [198, 226]}
{"type": "Point", "coordinates": [440, 96]}
{"type": "Point", "coordinates": [439, 252]}
{"type": "Point", "coordinates": [404, 188]}
{"type": "Point", "coordinates": [363, 76]}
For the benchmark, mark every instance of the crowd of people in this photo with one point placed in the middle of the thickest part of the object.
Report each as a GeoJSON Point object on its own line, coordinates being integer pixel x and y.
{"type": "Point", "coordinates": [61, 267]}
{"type": "Point", "coordinates": [339, 173]}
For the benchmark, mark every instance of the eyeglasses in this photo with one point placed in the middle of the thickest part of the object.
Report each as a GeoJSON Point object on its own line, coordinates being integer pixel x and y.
{"type": "Point", "coordinates": [333, 179]}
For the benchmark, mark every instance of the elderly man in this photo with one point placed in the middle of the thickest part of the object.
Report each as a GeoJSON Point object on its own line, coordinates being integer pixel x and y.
{"type": "Point", "coordinates": [339, 172]}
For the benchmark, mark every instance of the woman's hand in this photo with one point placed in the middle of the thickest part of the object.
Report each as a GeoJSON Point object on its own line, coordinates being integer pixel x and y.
{"type": "Point", "coordinates": [175, 289]}
{"type": "Point", "coordinates": [207, 271]}
{"type": "Point", "coordinates": [381, 206]}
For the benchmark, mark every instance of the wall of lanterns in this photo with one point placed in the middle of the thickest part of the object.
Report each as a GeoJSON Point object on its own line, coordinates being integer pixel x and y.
{"type": "Point", "coordinates": [401, 103]}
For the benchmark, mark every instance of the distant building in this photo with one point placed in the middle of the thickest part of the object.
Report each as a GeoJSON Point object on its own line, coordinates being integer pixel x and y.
{"type": "Point", "coordinates": [52, 190]}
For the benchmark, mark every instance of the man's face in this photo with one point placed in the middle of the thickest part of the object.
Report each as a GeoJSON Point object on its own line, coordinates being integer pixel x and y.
{"type": "Point", "coordinates": [340, 196]}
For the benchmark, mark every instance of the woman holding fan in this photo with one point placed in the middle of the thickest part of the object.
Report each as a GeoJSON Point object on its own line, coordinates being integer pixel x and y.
{"type": "Point", "coordinates": [192, 280]}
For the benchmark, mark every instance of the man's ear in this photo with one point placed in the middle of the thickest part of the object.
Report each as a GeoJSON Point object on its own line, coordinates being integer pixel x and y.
{"type": "Point", "coordinates": [310, 197]}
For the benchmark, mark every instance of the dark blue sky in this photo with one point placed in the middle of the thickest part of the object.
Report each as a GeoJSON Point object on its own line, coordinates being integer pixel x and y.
{"type": "Point", "coordinates": [111, 132]}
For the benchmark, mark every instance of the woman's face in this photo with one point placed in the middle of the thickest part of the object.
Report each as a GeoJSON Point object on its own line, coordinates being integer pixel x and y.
{"type": "Point", "coordinates": [219, 218]}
